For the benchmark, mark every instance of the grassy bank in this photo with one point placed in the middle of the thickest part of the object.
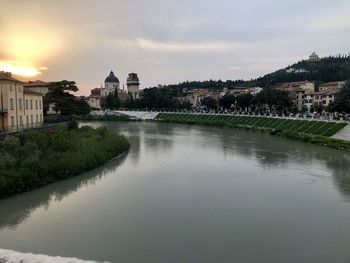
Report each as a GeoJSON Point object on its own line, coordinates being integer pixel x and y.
{"type": "Point", "coordinates": [35, 159]}
{"type": "Point", "coordinates": [316, 132]}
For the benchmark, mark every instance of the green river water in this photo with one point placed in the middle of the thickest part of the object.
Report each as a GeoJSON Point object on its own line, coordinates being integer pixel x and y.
{"type": "Point", "coordinates": [192, 194]}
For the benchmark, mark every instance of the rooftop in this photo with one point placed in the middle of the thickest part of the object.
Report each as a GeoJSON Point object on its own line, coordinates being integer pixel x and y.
{"type": "Point", "coordinates": [8, 76]}
{"type": "Point", "coordinates": [111, 78]}
{"type": "Point", "coordinates": [36, 83]}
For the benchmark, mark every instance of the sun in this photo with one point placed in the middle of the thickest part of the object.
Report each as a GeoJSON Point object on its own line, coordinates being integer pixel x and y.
{"type": "Point", "coordinates": [28, 49]}
{"type": "Point", "coordinates": [25, 71]}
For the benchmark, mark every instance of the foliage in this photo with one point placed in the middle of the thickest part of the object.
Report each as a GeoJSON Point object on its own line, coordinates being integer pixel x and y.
{"type": "Point", "coordinates": [110, 102]}
{"type": "Point", "coordinates": [35, 159]}
{"type": "Point", "coordinates": [342, 100]}
{"type": "Point", "coordinates": [227, 101]}
{"type": "Point", "coordinates": [157, 99]}
{"type": "Point", "coordinates": [82, 107]}
{"type": "Point", "coordinates": [107, 118]}
{"type": "Point", "coordinates": [273, 99]}
{"type": "Point", "coordinates": [244, 100]}
{"type": "Point", "coordinates": [210, 103]}
{"type": "Point", "coordinates": [64, 102]}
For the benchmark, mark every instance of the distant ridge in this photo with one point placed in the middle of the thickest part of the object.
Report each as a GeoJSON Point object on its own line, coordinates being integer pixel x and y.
{"type": "Point", "coordinates": [332, 68]}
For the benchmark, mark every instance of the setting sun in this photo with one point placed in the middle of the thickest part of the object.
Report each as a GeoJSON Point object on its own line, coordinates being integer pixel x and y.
{"type": "Point", "coordinates": [19, 70]}
{"type": "Point", "coordinates": [27, 53]}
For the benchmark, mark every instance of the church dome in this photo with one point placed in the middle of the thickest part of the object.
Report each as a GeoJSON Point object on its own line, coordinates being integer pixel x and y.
{"type": "Point", "coordinates": [111, 78]}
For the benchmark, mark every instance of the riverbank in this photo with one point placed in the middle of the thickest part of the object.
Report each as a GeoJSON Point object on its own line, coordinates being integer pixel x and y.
{"type": "Point", "coordinates": [34, 159]}
{"type": "Point", "coordinates": [10, 256]}
{"type": "Point", "coordinates": [310, 131]}
{"type": "Point", "coordinates": [105, 118]}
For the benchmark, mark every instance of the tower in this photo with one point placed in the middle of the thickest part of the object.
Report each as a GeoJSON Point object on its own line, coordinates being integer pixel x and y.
{"type": "Point", "coordinates": [133, 86]}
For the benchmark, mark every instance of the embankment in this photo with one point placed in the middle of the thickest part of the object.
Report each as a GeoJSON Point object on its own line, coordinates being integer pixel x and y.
{"type": "Point", "coordinates": [311, 131]}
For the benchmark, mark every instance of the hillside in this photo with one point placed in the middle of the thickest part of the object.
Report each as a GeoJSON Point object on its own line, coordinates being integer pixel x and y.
{"type": "Point", "coordinates": [326, 70]}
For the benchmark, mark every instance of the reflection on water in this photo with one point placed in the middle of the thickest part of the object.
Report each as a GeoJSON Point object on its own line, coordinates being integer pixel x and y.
{"type": "Point", "coordinates": [192, 194]}
{"type": "Point", "coordinates": [19, 208]}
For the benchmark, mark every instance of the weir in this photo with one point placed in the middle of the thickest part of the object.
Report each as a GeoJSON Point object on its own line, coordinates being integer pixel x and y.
{"type": "Point", "coordinates": [10, 256]}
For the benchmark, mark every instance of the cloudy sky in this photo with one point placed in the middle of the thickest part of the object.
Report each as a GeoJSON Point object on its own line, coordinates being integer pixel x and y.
{"type": "Point", "coordinates": [166, 41]}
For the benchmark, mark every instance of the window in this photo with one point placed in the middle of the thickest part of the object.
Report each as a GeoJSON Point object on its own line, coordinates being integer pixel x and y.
{"type": "Point", "coordinates": [11, 104]}
{"type": "Point", "coordinates": [36, 104]}
{"type": "Point", "coordinates": [31, 119]}
{"type": "Point", "coordinates": [10, 88]}
{"type": "Point", "coordinates": [36, 118]}
{"type": "Point", "coordinates": [26, 104]}
{"type": "Point", "coordinates": [31, 104]}
{"type": "Point", "coordinates": [21, 120]}
{"type": "Point", "coordinates": [41, 118]}
{"type": "Point", "coordinates": [12, 121]}
{"type": "Point", "coordinates": [40, 104]}
{"type": "Point", "coordinates": [20, 104]}
{"type": "Point", "coordinates": [19, 89]}
{"type": "Point", "coordinates": [27, 119]}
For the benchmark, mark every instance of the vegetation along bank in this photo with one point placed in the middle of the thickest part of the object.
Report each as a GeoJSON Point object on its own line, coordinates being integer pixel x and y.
{"type": "Point", "coordinates": [311, 131]}
{"type": "Point", "coordinates": [34, 159]}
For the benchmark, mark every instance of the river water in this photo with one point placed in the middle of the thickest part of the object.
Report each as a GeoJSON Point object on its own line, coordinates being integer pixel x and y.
{"type": "Point", "coordinates": [192, 194]}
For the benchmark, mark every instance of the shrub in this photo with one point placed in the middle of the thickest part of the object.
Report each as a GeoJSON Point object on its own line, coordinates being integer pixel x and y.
{"type": "Point", "coordinates": [36, 159]}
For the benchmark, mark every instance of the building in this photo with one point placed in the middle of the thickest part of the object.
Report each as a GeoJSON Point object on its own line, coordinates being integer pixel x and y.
{"type": "Point", "coordinates": [332, 86]}
{"type": "Point", "coordinates": [19, 108]}
{"type": "Point", "coordinates": [314, 99]}
{"type": "Point", "coordinates": [96, 92]}
{"type": "Point", "coordinates": [42, 88]}
{"type": "Point", "coordinates": [314, 57]}
{"type": "Point", "coordinates": [112, 85]}
{"type": "Point", "coordinates": [295, 86]}
{"type": "Point", "coordinates": [133, 86]}
{"type": "Point", "coordinates": [94, 102]}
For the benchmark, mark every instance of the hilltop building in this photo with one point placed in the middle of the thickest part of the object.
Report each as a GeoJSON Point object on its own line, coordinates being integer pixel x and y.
{"type": "Point", "coordinates": [133, 85]}
{"type": "Point", "coordinates": [20, 108]}
{"type": "Point", "coordinates": [314, 57]}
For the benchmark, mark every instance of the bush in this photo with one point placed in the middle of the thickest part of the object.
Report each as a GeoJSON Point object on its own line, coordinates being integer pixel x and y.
{"type": "Point", "coordinates": [35, 159]}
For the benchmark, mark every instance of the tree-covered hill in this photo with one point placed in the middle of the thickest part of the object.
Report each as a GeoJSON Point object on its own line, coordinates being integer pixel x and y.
{"type": "Point", "coordinates": [326, 70]}
{"type": "Point", "coordinates": [333, 68]}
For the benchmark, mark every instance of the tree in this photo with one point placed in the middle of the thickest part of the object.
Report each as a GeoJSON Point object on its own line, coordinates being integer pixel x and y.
{"type": "Point", "coordinates": [342, 100]}
{"type": "Point", "coordinates": [244, 100]}
{"type": "Point", "coordinates": [60, 98]}
{"type": "Point", "coordinates": [273, 99]}
{"type": "Point", "coordinates": [209, 102]}
{"type": "Point", "coordinates": [82, 107]}
{"type": "Point", "coordinates": [110, 102]}
{"type": "Point", "coordinates": [227, 101]}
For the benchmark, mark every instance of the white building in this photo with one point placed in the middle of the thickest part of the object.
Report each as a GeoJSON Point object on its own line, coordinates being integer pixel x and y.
{"type": "Point", "coordinates": [133, 85]}
{"type": "Point", "coordinates": [112, 85]}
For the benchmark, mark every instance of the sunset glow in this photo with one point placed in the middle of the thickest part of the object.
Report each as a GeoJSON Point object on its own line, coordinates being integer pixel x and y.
{"type": "Point", "coordinates": [19, 70]}
{"type": "Point", "coordinates": [27, 50]}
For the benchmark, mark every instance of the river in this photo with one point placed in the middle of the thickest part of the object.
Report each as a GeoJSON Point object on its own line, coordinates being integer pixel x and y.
{"type": "Point", "coordinates": [192, 194]}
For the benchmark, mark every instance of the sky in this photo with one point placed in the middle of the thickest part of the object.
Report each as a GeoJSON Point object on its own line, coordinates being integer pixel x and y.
{"type": "Point", "coordinates": [166, 41]}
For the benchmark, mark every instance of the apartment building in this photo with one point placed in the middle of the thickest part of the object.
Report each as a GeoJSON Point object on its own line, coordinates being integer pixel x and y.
{"type": "Point", "coordinates": [332, 86]}
{"type": "Point", "coordinates": [19, 109]}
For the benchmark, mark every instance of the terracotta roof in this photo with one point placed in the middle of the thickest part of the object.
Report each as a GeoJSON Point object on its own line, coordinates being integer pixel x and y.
{"type": "Point", "coordinates": [37, 83]}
